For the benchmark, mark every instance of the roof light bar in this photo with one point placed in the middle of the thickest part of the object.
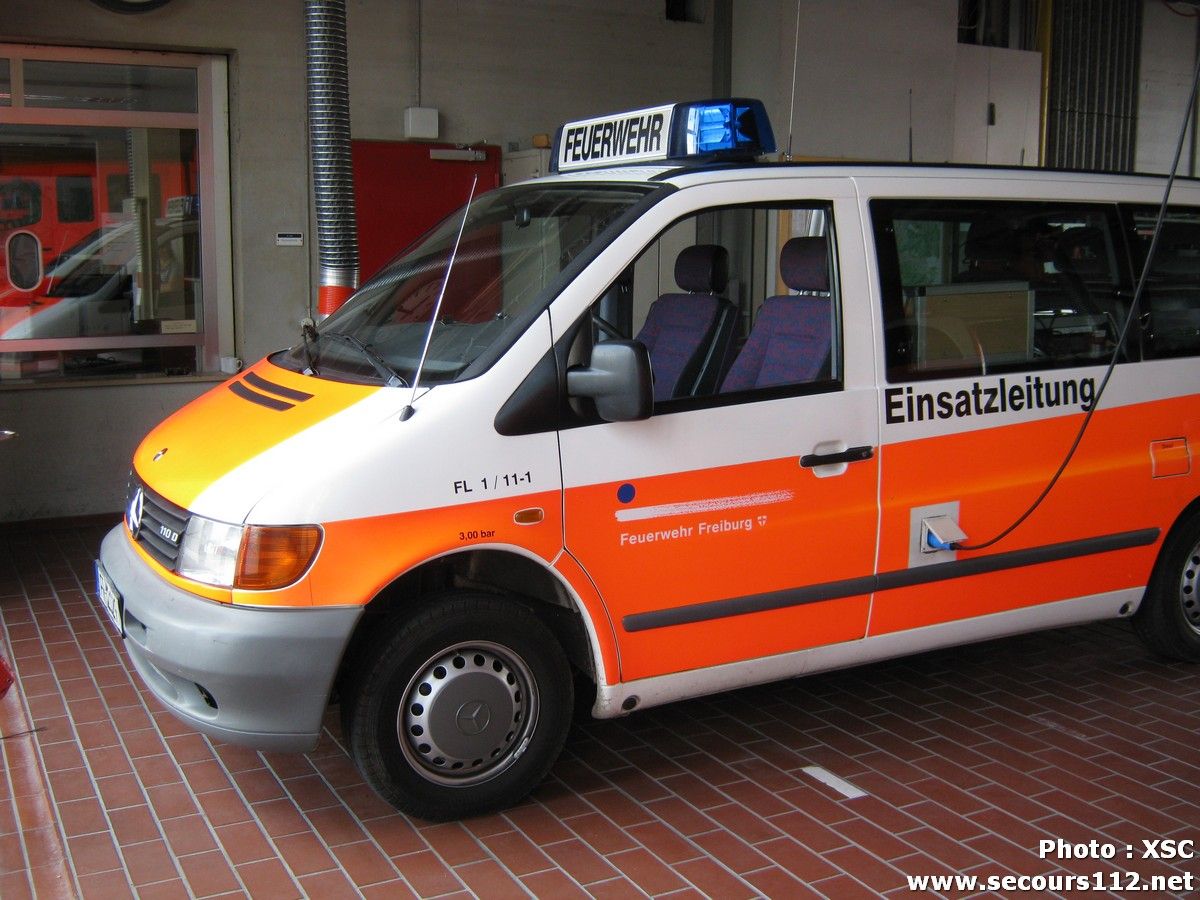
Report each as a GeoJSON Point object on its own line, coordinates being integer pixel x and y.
{"type": "Point", "coordinates": [723, 129]}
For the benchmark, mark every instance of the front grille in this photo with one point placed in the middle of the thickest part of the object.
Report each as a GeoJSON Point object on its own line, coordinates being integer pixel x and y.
{"type": "Point", "coordinates": [160, 523]}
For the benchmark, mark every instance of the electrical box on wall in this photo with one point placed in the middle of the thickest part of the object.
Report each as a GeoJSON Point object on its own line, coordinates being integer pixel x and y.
{"type": "Point", "coordinates": [522, 165]}
{"type": "Point", "coordinates": [421, 123]}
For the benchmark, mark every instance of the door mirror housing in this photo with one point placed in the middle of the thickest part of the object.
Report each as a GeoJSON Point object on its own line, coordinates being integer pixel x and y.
{"type": "Point", "coordinates": [618, 379]}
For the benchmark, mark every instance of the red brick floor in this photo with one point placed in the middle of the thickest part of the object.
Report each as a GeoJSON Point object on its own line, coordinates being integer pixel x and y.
{"type": "Point", "coordinates": [967, 759]}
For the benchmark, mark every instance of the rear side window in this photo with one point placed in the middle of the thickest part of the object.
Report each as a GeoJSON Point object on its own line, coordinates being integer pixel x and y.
{"type": "Point", "coordinates": [976, 287]}
{"type": "Point", "coordinates": [75, 198]}
{"type": "Point", "coordinates": [1170, 305]}
{"type": "Point", "coordinates": [20, 203]}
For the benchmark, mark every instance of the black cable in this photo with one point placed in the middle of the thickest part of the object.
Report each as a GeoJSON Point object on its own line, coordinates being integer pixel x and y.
{"type": "Point", "coordinates": [1129, 318]}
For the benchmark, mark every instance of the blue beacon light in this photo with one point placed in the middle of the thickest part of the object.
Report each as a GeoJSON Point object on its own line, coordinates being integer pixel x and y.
{"type": "Point", "coordinates": [704, 131]}
{"type": "Point", "coordinates": [722, 128]}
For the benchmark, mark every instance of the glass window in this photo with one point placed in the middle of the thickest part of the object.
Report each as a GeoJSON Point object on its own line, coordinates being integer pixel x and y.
{"type": "Point", "coordinates": [5, 82]}
{"type": "Point", "coordinates": [85, 85]}
{"type": "Point", "coordinates": [515, 244]}
{"type": "Point", "coordinates": [973, 287]}
{"type": "Point", "coordinates": [732, 303]}
{"type": "Point", "coordinates": [1170, 304]}
{"type": "Point", "coordinates": [75, 198]}
{"type": "Point", "coordinates": [20, 201]}
{"type": "Point", "coordinates": [132, 272]}
{"type": "Point", "coordinates": [107, 196]}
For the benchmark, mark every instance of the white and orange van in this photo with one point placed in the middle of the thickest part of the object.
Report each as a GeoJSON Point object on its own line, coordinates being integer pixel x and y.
{"type": "Point", "coordinates": [666, 423]}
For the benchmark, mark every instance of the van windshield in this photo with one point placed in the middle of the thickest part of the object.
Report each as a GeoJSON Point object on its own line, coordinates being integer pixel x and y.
{"type": "Point", "coordinates": [515, 245]}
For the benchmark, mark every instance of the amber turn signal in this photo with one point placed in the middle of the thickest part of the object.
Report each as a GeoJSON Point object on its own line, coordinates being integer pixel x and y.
{"type": "Point", "coordinates": [273, 557]}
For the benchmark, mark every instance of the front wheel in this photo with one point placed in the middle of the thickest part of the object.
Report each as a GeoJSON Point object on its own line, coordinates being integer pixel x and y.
{"type": "Point", "coordinates": [460, 710]}
{"type": "Point", "coordinates": [1169, 618]}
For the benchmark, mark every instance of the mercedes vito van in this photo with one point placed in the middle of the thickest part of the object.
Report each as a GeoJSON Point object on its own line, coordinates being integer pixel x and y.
{"type": "Point", "coordinates": [668, 422]}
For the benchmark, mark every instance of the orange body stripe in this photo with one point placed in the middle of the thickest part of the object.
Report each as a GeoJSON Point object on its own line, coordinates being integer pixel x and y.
{"type": "Point", "coordinates": [359, 557]}
{"type": "Point", "coordinates": [825, 531]}
{"type": "Point", "coordinates": [996, 473]}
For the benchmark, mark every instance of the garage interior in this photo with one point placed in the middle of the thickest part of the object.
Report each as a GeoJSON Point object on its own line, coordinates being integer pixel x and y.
{"type": "Point", "coordinates": [960, 761]}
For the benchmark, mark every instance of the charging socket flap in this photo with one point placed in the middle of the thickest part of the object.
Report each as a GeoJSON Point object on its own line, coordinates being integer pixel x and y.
{"type": "Point", "coordinates": [931, 529]}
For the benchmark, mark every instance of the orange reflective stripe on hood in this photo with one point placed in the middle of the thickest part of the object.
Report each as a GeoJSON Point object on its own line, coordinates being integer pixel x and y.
{"type": "Point", "coordinates": [235, 422]}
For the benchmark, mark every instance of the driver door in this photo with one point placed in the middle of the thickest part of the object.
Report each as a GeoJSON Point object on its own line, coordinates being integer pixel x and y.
{"type": "Point", "coordinates": [739, 521]}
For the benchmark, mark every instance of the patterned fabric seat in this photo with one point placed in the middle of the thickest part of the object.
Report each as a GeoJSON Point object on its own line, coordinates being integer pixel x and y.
{"type": "Point", "coordinates": [687, 335]}
{"type": "Point", "coordinates": [791, 339]}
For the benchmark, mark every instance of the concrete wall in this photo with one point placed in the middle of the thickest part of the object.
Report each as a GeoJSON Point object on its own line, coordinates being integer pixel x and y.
{"type": "Point", "coordinates": [501, 72]}
{"type": "Point", "coordinates": [1169, 43]}
{"type": "Point", "coordinates": [858, 60]}
{"type": "Point", "coordinates": [73, 446]}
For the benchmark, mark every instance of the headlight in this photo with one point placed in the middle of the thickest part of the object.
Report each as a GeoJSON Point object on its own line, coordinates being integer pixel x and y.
{"type": "Point", "coordinates": [251, 557]}
{"type": "Point", "coordinates": [208, 551]}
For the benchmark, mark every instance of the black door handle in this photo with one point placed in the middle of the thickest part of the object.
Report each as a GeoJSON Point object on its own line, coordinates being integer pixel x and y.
{"type": "Point", "coordinates": [854, 454]}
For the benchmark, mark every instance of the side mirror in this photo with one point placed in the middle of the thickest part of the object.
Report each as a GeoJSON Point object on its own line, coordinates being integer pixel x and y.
{"type": "Point", "coordinates": [618, 380]}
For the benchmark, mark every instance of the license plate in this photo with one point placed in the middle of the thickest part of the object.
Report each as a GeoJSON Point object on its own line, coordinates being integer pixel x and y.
{"type": "Point", "coordinates": [110, 598]}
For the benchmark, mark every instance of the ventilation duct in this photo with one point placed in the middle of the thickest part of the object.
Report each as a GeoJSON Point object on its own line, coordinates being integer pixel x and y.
{"type": "Point", "coordinates": [329, 142]}
{"type": "Point", "coordinates": [1092, 115]}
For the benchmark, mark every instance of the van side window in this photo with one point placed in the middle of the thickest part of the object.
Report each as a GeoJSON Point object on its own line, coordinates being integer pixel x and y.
{"type": "Point", "coordinates": [733, 303]}
{"type": "Point", "coordinates": [1170, 306]}
{"type": "Point", "coordinates": [973, 287]}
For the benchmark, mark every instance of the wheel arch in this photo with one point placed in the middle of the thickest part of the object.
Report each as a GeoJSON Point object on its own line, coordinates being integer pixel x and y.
{"type": "Point", "coordinates": [1168, 618]}
{"type": "Point", "coordinates": [1192, 508]}
{"type": "Point", "coordinates": [1180, 521]}
{"type": "Point", "coordinates": [503, 571]}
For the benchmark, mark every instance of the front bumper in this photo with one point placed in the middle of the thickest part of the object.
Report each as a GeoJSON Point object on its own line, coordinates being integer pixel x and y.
{"type": "Point", "coordinates": [254, 676]}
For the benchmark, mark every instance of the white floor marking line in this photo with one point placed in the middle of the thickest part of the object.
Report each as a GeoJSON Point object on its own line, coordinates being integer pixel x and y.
{"type": "Point", "coordinates": [841, 785]}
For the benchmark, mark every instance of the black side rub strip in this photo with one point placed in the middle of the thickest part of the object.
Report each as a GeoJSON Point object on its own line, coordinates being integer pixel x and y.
{"type": "Point", "coordinates": [255, 380]}
{"type": "Point", "coordinates": [261, 399]}
{"type": "Point", "coordinates": [850, 587]}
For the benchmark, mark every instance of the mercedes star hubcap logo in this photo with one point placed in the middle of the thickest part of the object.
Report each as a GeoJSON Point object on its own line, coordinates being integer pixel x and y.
{"type": "Point", "coordinates": [473, 716]}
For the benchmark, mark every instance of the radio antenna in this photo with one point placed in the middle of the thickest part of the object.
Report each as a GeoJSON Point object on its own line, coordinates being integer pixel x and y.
{"type": "Point", "coordinates": [910, 153]}
{"type": "Point", "coordinates": [408, 410]}
{"type": "Point", "coordinates": [792, 102]}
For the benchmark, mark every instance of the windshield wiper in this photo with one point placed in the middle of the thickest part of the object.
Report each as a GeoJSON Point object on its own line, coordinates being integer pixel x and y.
{"type": "Point", "coordinates": [308, 334]}
{"type": "Point", "coordinates": [389, 375]}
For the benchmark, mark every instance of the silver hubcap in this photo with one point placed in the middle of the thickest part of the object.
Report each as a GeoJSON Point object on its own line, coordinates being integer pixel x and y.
{"type": "Point", "coordinates": [1189, 589]}
{"type": "Point", "coordinates": [468, 713]}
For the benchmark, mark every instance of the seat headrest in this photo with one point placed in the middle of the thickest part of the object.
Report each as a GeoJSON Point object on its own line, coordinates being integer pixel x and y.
{"type": "Point", "coordinates": [702, 269]}
{"type": "Point", "coordinates": [989, 241]}
{"type": "Point", "coordinates": [804, 264]}
{"type": "Point", "coordinates": [1082, 251]}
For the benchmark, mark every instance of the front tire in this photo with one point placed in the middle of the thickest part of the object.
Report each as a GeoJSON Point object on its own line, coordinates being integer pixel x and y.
{"type": "Point", "coordinates": [461, 709]}
{"type": "Point", "coordinates": [1168, 620]}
